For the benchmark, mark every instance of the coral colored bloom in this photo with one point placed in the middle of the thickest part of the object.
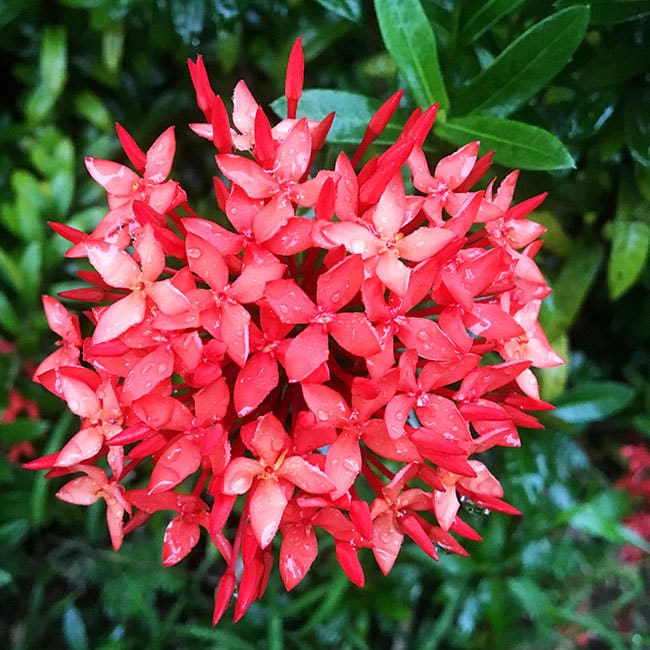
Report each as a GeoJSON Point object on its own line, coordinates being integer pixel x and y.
{"type": "Point", "coordinates": [326, 352]}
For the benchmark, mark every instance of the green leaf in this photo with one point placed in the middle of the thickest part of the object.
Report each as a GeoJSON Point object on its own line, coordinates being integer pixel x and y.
{"type": "Point", "coordinates": [409, 38]}
{"type": "Point", "coordinates": [39, 103]}
{"type": "Point", "coordinates": [25, 219]}
{"type": "Point", "coordinates": [628, 256]}
{"type": "Point", "coordinates": [21, 429]}
{"type": "Point", "coordinates": [601, 517]}
{"type": "Point", "coordinates": [610, 12]}
{"type": "Point", "coordinates": [74, 629]}
{"type": "Point", "coordinates": [525, 66]}
{"type": "Point", "coordinates": [592, 401]}
{"type": "Point", "coordinates": [8, 319]}
{"type": "Point", "coordinates": [611, 67]}
{"type": "Point", "coordinates": [516, 144]}
{"type": "Point", "coordinates": [570, 289]}
{"type": "Point", "coordinates": [349, 9]}
{"type": "Point", "coordinates": [637, 127]}
{"type": "Point", "coordinates": [353, 113]}
{"type": "Point", "coordinates": [534, 600]}
{"type": "Point", "coordinates": [188, 17]}
{"type": "Point", "coordinates": [113, 47]}
{"type": "Point", "coordinates": [480, 15]}
{"type": "Point", "coordinates": [553, 380]}
{"type": "Point", "coordinates": [54, 59]}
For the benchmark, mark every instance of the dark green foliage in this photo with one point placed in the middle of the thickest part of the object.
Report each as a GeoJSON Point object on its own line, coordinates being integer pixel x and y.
{"type": "Point", "coordinates": [558, 89]}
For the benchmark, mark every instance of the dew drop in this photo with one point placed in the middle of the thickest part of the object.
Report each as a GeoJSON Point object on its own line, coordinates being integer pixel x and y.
{"type": "Point", "coordinates": [194, 253]}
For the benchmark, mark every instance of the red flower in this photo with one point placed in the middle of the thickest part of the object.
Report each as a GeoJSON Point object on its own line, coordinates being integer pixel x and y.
{"type": "Point", "coordinates": [332, 354]}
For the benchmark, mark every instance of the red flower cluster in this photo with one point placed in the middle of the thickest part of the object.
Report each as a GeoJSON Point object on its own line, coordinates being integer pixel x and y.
{"type": "Point", "coordinates": [333, 336]}
{"type": "Point", "coordinates": [637, 483]}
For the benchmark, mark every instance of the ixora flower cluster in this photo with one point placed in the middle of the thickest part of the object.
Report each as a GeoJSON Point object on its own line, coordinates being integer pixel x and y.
{"type": "Point", "coordinates": [330, 352]}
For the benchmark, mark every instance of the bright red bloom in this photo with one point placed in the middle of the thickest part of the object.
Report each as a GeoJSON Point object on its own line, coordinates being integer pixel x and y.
{"type": "Point", "coordinates": [335, 335]}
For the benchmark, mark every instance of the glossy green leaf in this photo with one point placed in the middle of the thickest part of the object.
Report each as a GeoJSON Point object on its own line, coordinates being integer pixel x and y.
{"type": "Point", "coordinates": [570, 289]}
{"type": "Point", "coordinates": [628, 255]}
{"type": "Point", "coordinates": [91, 108]}
{"type": "Point", "coordinates": [409, 38]}
{"type": "Point", "coordinates": [610, 12]}
{"type": "Point", "coordinates": [637, 127]}
{"type": "Point", "coordinates": [593, 401]}
{"type": "Point", "coordinates": [480, 15]}
{"type": "Point", "coordinates": [74, 629]}
{"type": "Point", "coordinates": [349, 9]}
{"type": "Point", "coordinates": [31, 262]}
{"type": "Point", "coordinates": [352, 114]}
{"type": "Point", "coordinates": [525, 66]}
{"type": "Point", "coordinates": [39, 103]}
{"type": "Point", "coordinates": [54, 59]}
{"type": "Point", "coordinates": [516, 144]}
{"type": "Point", "coordinates": [11, 271]}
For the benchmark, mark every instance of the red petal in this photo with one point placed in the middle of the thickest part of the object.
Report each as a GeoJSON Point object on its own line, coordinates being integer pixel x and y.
{"type": "Point", "coordinates": [181, 458]}
{"type": "Point", "coordinates": [340, 284]}
{"type": "Point", "coordinates": [294, 78]}
{"type": "Point", "coordinates": [148, 373]}
{"type": "Point", "coordinates": [297, 553]}
{"type": "Point", "coordinates": [289, 301]}
{"type": "Point", "coordinates": [343, 463]}
{"type": "Point", "coordinates": [326, 404]}
{"type": "Point", "coordinates": [354, 333]}
{"type": "Point", "coordinates": [81, 491]}
{"type": "Point", "coordinates": [306, 353]}
{"type": "Point", "coordinates": [181, 536]}
{"type": "Point", "coordinates": [255, 381]}
{"type": "Point", "coordinates": [386, 542]}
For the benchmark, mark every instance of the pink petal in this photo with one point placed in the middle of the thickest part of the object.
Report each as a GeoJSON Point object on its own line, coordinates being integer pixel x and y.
{"type": "Point", "coordinates": [326, 404]}
{"type": "Point", "coordinates": [235, 331]}
{"type": "Point", "coordinates": [84, 444]}
{"type": "Point", "coordinates": [445, 507]}
{"type": "Point", "coordinates": [289, 301]}
{"type": "Point", "coordinates": [206, 261]}
{"type": "Point", "coordinates": [82, 399]}
{"type": "Point", "coordinates": [294, 153]}
{"type": "Point", "coordinates": [160, 156]}
{"type": "Point", "coordinates": [343, 463]}
{"type": "Point", "coordinates": [273, 216]}
{"type": "Point", "coordinates": [248, 175]}
{"type": "Point", "coordinates": [151, 254]}
{"type": "Point", "coordinates": [240, 474]}
{"type": "Point", "coordinates": [393, 273]}
{"type": "Point", "coordinates": [265, 508]}
{"type": "Point", "coordinates": [82, 491]}
{"type": "Point", "coordinates": [425, 336]}
{"type": "Point", "coordinates": [388, 215]}
{"type": "Point", "coordinates": [117, 267]}
{"type": "Point", "coordinates": [61, 321]}
{"type": "Point", "coordinates": [355, 237]}
{"type": "Point", "coordinates": [353, 332]}
{"type": "Point", "coordinates": [386, 542]}
{"type": "Point", "coordinates": [114, 178]}
{"type": "Point", "coordinates": [396, 414]}
{"type": "Point", "coordinates": [148, 373]}
{"type": "Point", "coordinates": [211, 402]}
{"type": "Point", "coordinates": [266, 438]}
{"type": "Point", "coordinates": [244, 108]}
{"type": "Point", "coordinates": [306, 476]}
{"type": "Point", "coordinates": [423, 243]}
{"type": "Point", "coordinates": [168, 298]}
{"type": "Point", "coordinates": [455, 168]}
